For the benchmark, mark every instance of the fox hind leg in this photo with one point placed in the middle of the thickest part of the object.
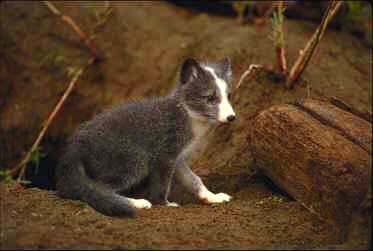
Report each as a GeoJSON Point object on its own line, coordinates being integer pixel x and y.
{"type": "Point", "coordinates": [160, 182]}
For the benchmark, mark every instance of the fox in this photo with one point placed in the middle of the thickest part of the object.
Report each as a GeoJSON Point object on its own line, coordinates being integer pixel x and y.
{"type": "Point", "coordinates": [145, 144]}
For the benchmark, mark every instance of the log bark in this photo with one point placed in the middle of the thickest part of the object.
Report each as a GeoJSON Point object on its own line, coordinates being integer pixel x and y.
{"type": "Point", "coordinates": [318, 153]}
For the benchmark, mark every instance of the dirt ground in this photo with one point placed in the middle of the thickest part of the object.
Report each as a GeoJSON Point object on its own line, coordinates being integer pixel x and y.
{"type": "Point", "coordinates": [260, 216]}
{"type": "Point", "coordinates": [257, 218]}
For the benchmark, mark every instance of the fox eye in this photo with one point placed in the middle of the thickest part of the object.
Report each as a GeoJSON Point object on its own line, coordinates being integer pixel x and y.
{"type": "Point", "coordinates": [211, 98]}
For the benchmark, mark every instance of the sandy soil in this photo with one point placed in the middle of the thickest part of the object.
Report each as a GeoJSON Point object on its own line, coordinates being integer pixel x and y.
{"type": "Point", "coordinates": [256, 218]}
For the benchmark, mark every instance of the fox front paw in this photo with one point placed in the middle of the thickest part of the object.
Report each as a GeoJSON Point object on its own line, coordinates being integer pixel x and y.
{"type": "Point", "coordinates": [141, 203]}
{"type": "Point", "coordinates": [218, 198]}
{"type": "Point", "coordinates": [172, 204]}
{"type": "Point", "coordinates": [209, 197]}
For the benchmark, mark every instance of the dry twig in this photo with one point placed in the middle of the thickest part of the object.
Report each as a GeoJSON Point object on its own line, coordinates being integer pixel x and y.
{"type": "Point", "coordinates": [98, 54]}
{"type": "Point", "coordinates": [249, 72]}
{"type": "Point", "coordinates": [22, 165]}
{"type": "Point", "coordinates": [306, 54]}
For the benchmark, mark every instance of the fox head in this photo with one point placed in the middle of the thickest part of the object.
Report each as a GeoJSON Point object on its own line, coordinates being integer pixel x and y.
{"type": "Point", "coordinates": [205, 90]}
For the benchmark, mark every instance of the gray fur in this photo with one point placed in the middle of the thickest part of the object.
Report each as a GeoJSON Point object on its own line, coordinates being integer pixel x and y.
{"type": "Point", "coordinates": [139, 144]}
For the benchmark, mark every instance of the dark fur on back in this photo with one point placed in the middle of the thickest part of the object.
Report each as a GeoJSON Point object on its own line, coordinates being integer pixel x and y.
{"type": "Point", "coordinates": [105, 147]}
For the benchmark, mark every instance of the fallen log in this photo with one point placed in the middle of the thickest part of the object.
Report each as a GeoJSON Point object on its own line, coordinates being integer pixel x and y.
{"type": "Point", "coordinates": [318, 153]}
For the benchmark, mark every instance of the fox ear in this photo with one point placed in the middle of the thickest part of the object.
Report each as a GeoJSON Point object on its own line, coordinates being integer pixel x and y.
{"type": "Point", "coordinates": [226, 66]}
{"type": "Point", "coordinates": [189, 70]}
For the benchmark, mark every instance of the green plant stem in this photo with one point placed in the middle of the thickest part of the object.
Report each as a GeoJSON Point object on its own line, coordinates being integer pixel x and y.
{"type": "Point", "coordinates": [280, 44]}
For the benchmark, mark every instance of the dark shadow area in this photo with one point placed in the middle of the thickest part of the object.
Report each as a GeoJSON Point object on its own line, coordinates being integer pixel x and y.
{"type": "Point", "coordinates": [43, 176]}
{"type": "Point", "coordinates": [216, 8]}
{"type": "Point", "coordinates": [261, 179]}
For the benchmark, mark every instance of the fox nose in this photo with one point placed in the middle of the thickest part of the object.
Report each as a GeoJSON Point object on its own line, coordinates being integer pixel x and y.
{"type": "Point", "coordinates": [231, 118]}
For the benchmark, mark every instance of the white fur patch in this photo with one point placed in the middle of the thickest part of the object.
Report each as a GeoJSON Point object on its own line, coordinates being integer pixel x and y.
{"type": "Point", "coordinates": [210, 197]}
{"type": "Point", "coordinates": [140, 203]}
{"type": "Point", "coordinates": [172, 204]}
{"type": "Point", "coordinates": [199, 128]}
{"type": "Point", "coordinates": [225, 108]}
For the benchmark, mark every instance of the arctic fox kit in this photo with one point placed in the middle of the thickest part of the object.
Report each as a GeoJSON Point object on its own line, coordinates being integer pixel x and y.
{"type": "Point", "coordinates": [146, 143]}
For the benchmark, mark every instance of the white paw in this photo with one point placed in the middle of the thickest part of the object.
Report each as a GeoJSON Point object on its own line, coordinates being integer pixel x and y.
{"type": "Point", "coordinates": [140, 203]}
{"type": "Point", "coordinates": [172, 204]}
{"type": "Point", "coordinates": [208, 197]}
{"type": "Point", "coordinates": [216, 198]}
